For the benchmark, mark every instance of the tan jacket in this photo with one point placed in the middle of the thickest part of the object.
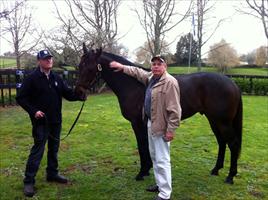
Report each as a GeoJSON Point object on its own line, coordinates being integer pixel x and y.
{"type": "Point", "coordinates": [165, 102]}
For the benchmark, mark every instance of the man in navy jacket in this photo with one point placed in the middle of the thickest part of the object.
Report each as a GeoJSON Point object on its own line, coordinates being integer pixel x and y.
{"type": "Point", "coordinates": [41, 96]}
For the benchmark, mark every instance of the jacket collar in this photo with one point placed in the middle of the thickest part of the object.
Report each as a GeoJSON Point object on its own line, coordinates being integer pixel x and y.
{"type": "Point", "coordinates": [161, 81]}
{"type": "Point", "coordinates": [40, 73]}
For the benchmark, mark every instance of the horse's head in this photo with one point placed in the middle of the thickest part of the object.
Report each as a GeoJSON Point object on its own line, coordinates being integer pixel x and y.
{"type": "Point", "coordinates": [88, 69]}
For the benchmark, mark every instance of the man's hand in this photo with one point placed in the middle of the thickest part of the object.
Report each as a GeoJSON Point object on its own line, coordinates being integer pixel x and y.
{"type": "Point", "coordinates": [169, 136]}
{"type": "Point", "coordinates": [39, 114]}
{"type": "Point", "coordinates": [117, 66]}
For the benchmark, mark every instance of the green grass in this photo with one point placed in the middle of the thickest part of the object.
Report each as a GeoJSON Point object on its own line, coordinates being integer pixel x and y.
{"type": "Point", "coordinates": [11, 63]}
{"type": "Point", "coordinates": [7, 62]}
{"type": "Point", "coordinates": [241, 71]}
{"type": "Point", "coordinates": [249, 71]}
{"type": "Point", "coordinates": [100, 156]}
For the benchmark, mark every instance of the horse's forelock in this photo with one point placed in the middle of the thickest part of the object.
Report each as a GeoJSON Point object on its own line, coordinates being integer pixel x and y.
{"type": "Point", "coordinates": [90, 53]}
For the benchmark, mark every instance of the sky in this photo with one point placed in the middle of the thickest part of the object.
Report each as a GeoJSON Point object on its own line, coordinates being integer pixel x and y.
{"type": "Point", "coordinates": [244, 33]}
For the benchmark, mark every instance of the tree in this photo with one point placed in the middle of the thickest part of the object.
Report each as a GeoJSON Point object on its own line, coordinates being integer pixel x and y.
{"type": "Point", "coordinates": [65, 48]}
{"type": "Point", "coordinates": [6, 12]}
{"type": "Point", "coordinates": [243, 58]}
{"type": "Point", "coordinates": [29, 61]}
{"type": "Point", "coordinates": [223, 56]}
{"type": "Point", "coordinates": [203, 9]}
{"type": "Point", "coordinates": [19, 28]}
{"type": "Point", "coordinates": [258, 9]}
{"type": "Point", "coordinates": [183, 50]}
{"type": "Point", "coordinates": [156, 21]}
{"type": "Point", "coordinates": [251, 57]}
{"type": "Point", "coordinates": [144, 55]}
{"type": "Point", "coordinates": [261, 56]}
{"type": "Point", "coordinates": [96, 19]}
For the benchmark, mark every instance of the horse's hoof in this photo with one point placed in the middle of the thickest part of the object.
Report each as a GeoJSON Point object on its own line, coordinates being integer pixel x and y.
{"type": "Point", "coordinates": [214, 172]}
{"type": "Point", "coordinates": [140, 176]}
{"type": "Point", "coordinates": [229, 180]}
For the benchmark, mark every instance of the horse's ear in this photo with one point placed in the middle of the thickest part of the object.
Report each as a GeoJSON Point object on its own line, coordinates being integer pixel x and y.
{"type": "Point", "coordinates": [91, 45]}
{"type": "Point", "coordinates": [99, 51]}
{"type": "Point", "coordinates": [85, 48]}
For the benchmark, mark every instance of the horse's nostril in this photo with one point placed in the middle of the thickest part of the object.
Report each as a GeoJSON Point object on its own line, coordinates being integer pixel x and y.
{"type": "Point", "coordinates": [80, 91]}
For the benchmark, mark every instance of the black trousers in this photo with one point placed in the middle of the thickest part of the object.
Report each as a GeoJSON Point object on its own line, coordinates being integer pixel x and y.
{"type": "Point", "coordinates": [42, 133]}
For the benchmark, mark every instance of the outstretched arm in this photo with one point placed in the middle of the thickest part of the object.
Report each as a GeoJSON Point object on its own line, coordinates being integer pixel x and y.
{"type": "Point", "coordinates": [136, 72]}
{"type": "Point", "coordinates": [117, 66]}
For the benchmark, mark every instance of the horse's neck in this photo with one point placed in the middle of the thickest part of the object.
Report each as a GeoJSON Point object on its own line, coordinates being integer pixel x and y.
{"type": "Point", "coordinates": [113, 80]}
{"type": "Point", "coordinates": [119, 83]}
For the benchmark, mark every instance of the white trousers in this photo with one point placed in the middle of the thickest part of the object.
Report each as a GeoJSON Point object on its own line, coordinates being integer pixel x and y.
{"type": "Point", "coordinates": [160, 155]}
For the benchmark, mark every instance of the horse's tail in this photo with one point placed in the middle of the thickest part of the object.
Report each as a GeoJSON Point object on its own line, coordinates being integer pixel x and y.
{"type": "Point", "coordinates": [238, 123]}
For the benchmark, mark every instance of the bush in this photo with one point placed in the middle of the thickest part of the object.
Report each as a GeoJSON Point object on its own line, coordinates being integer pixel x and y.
{"type": "Point", "coordinates": [254, 86]}
{"type": "Point", "coordinates": [260, 86]}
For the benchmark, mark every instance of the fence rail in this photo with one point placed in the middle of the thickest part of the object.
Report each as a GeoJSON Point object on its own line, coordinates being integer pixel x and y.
{"type": "Point", "coordinates": [11, 80]}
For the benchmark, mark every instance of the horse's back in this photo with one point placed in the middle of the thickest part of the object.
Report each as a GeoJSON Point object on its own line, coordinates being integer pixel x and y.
{"type": "Point", "coordinates": [211, 94]}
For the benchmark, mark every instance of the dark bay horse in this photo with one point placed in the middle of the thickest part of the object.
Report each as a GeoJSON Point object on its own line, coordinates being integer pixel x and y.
{"type": "Point", "coordinates": [211, 94]}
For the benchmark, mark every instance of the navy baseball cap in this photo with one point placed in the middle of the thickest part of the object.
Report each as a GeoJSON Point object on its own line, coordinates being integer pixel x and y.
{"type": "Point", "coordinates": [158, 57]}
{"type": "Point", "coordinates": [43, 54]}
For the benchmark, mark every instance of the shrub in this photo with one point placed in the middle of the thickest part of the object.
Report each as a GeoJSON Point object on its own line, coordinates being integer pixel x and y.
{"type": "Point", "coordinates": [254, 86]}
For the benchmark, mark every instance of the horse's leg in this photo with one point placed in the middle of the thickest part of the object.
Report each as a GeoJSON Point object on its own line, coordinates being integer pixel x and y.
{"type": "Point", "coordinates": [233, 146]}
{"type": "Point", "coordinates": [140, 130]}
{"type": "Point", "coordinates": [235, 141]}
{"type": "Point", "coordinates": [228, 133]}
{"type": "Point", "coordinates": [222, 148]}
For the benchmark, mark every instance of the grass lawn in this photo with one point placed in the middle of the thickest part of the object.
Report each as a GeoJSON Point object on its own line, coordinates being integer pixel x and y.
{"type": "Point", "coordinates": [240, 71]}
{"type": "Point", "coordinates": [7, 63]}
{"type": "Point", "coordinates": [11, 63]}
{"type": "Point", "coordinates": [100, 156]}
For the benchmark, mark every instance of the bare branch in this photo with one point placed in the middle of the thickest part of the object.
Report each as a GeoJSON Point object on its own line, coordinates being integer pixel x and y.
{"type": "Point", "coordinates": [258, 9]}
{"type": "Point", "coordinates": [19, 26]}
{"type": "Point", "coordinates": [5, 13]}
{"type": "Point", "coordinates": [203, 9]}
{"type": "Point", "coordinates": [213, 32]}
{"type": "Point", "coordinates": [97, 20]}
{"type": "Point", "coordinates": [156, 21]}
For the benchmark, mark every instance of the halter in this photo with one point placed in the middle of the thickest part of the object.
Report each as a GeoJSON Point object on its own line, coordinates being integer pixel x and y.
{"type": "Point", "coordinates": [98, 75]}
{"type": "Point", "coordinates": [99, 67]}
{"type": "Point", "coordinates": [96, 79]}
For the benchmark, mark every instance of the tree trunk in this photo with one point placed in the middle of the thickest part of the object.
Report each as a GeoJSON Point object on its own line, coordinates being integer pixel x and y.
{"type": "Point", "coordinates": [16, 49]}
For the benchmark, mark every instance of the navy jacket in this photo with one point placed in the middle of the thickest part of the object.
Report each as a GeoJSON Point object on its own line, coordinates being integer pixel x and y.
{"type": "Point", "coordinates": [39, 93]}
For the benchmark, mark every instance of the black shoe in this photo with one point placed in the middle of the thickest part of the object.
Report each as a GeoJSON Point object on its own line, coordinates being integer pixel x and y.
{"type": "Point", "coordinates": [159, 198]}
{"type": "Point", "coordinates": [152, 188]}
{"type": "Point", "coordinates": [140, 176]}
{"type": "Point", "coordinates": [28, 190]}
{"type": "Point", "coordinates": [57, 178]}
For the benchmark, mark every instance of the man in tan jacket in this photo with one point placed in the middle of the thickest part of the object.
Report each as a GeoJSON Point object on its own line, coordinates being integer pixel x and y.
{"type": "Point", "coordinates": [163, 110]}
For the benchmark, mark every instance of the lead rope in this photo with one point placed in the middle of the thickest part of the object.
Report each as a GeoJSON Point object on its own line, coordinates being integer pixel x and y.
{"type": "Point", "coordinates": [98, 75]}
{"type": "Point", "coordinates": [77, 117]}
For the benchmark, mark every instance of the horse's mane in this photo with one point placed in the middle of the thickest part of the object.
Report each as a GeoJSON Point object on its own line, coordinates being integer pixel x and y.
{"type": "Point", "coordinates": [121, 60]}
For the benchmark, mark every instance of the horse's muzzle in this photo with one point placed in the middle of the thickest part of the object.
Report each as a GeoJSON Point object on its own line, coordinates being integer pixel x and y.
{"type": "Point", "coordinates": [80, 91]}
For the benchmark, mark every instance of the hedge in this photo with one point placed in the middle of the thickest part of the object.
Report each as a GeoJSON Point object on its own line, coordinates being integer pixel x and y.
{"type": "Point", "coordinates": [254, 86]}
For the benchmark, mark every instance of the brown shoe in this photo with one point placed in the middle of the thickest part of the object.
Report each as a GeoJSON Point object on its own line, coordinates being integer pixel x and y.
{"type": "Point", "coordinates": [28, 190]}
{"type": "Point", "coordinates": [152, 188]}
